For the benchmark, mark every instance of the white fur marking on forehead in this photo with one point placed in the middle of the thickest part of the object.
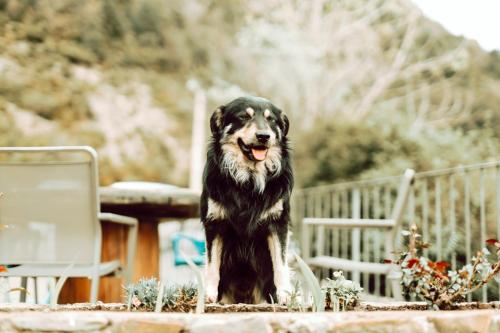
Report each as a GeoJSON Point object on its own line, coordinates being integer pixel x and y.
{"type": "Point", "coordinates": [227, 129]}
{"type": "Point", "coordinates": [267, 113]}
{"type": "Point", "coordinates": [250, 111]}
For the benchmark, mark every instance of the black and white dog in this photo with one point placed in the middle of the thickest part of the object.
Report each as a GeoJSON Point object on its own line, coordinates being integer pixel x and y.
{"type": "Point", "coordinates": [245, 204]}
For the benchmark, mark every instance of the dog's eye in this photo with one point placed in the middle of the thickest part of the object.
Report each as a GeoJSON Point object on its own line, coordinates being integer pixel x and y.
{"type": "Point", "coordinates": [244, 116]}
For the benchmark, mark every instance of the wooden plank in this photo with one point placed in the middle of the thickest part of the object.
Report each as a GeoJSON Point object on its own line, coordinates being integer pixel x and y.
{"type": "Point", "coordinates": [178, 202]}
{"type": "Point", "coordinates": [147, 258]}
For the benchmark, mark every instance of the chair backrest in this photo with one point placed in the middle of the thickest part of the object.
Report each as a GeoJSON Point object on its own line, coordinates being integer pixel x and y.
{"type": "Point", "coordinates": [49, 207]}
{"type": "Point", "coordinates": [398, 211]}
{"type": "Point", "coordinates": [402, 198]}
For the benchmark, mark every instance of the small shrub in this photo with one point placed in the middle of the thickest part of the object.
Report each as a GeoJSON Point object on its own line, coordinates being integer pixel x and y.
{"type": "Point", "coordinates": [143, 296]}
{"type": "Point", "coordinates": [434, 283]}
{"type": "Point", "coordinates": [340, 292]}
{"type": "Point", "coordinates": [77, 53]}
{"type": "Point", "coordinates": [295, 297]}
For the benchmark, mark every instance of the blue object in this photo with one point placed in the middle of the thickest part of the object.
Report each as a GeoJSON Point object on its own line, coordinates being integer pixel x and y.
{"type": "Point", "coordinates": [199, 244]}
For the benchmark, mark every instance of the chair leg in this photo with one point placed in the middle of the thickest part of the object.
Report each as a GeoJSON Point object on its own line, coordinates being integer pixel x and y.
{"type": "Point", "coordinates": [94, 289]}
{"type": "Point", "coordinates": [24, 290]}
{"type": "Point", "coordinates": [35, 290]}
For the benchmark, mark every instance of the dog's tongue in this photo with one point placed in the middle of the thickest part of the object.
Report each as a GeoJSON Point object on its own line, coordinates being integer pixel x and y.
{"type": "Point", "coordinates": [259, 154]}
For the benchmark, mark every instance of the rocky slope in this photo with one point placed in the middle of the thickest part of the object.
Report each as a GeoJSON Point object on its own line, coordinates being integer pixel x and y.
{"type": "Point", "coordinates": [370, 85]}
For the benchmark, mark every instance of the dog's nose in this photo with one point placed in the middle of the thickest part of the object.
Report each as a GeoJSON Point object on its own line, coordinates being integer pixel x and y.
{"type": "Point", "coordinates": [263, 136]}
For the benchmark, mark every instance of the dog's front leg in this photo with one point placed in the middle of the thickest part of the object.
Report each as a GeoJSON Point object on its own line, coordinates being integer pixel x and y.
{"type": "Point", "coordinates": [281, 272]}
{"type": "Point", "coordinates": [212, 268]}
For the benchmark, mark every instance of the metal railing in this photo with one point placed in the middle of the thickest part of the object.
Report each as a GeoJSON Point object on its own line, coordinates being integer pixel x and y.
{"type": "Point", "coordinates": [456, 210]}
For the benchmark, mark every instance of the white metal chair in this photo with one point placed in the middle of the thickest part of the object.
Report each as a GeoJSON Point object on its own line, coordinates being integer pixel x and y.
{"type": "Point", "coordinates": [50, 216]}
{"type": "Point", "coordinates": [391, 227]}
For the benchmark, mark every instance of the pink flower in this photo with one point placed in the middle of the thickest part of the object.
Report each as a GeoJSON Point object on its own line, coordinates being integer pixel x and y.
{"type": "Point", "coordinates": [135, 301]}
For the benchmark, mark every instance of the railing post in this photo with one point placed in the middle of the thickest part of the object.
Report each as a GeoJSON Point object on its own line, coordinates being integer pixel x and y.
{"type": "Point", "coordinates": [305, 232]}
{"type": "Point", "coordinates": [356, 232]}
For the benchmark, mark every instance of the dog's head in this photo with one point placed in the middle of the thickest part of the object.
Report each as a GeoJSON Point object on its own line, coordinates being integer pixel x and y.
{"type": "Point", "coordinates": [253, 124]}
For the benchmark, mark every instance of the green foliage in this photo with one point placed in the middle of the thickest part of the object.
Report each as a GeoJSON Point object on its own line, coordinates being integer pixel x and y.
{"type": "Point", "coordinates": [144, 294]}
{"type": "Point", "coordinates": [338, 149]}
{"type": "Point", "coordinates": [295, 297]}
{"type": "Point", "coordinates": [340, 292]}
{"type": "Point", "coordinates": [312, 285]}
{"type": "Point", "coordinates": [248, 47]}
{"type": "Point", "coordinates": [341, 150]}
{"type": "Point", "coordinates": [76, 53]}
{"type": "Point", "coordinates": [112, 19]}
{"type": "Point", "coordinates": [200, 289]}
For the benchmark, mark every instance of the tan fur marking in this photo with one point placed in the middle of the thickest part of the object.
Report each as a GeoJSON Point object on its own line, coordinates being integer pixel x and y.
{"type": "Point", "coordinates": [267, 113]}
{"type": "Point", "coordinates": [250, 111]}
{"type": "Point", "coordinates": [257, 296]}
{"type": "Point", "coordinates": [274, 211]}
{"type": "Point", "coordinates": [215, 210]}
{"type": "Point", "coordinates": [212, 270]}
{"type": "Point", "coordinates": [218, 118]}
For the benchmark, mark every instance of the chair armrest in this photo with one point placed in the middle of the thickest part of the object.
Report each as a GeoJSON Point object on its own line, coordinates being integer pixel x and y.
{"type": "Point", "coordinates": [349, 223]}
{"type": "Point", "coordinates": [133, 225]}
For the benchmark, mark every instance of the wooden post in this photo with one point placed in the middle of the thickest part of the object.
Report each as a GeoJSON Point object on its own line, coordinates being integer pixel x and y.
{"type": "Point", "coordinates": [198, 140]}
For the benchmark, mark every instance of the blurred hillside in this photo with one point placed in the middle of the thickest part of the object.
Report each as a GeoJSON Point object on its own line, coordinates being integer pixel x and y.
{"type": "Point", "coordinates": [370, 86]}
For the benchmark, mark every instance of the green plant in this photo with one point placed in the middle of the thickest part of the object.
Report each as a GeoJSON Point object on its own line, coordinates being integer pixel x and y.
{"type": "Point", "coordinates": [340, 292]}
{"type": "Point", "coordinates": [200, 304]}
{"type": "Point", "coordinates": [434, 283]}
{"type": "Point", "coordinates": [295, 295]}
{"type": "Point", "coordinates": [312, 285]}
{"type": "Point", "coordinates": [144, 296]}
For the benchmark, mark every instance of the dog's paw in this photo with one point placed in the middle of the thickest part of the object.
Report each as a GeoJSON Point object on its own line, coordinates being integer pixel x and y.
{"type": "Point", "coordinates": [283, 296]}
{"type": "Point", "coordinates": [211, 295]}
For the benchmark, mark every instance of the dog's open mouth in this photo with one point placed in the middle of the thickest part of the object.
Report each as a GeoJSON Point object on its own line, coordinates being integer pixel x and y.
{"type": "Point", "coordinates": [253, 152]}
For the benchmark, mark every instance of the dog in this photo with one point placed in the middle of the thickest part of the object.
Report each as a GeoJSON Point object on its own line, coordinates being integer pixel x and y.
{"type": "Point", "coordinates": [245, 203]}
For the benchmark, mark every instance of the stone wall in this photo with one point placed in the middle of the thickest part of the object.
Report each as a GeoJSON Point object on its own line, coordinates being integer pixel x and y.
{"type": "Point", "coordinates": [481, 321]}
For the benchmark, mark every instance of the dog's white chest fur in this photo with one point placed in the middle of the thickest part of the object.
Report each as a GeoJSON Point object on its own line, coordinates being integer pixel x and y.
{"type": "Point", "coordinates": [242, 170]}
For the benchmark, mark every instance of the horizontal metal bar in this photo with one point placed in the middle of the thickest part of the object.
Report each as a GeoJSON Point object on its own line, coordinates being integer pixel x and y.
{"type": "Point", "coordinates": [48, 163]}
{"type": "Point", "coordinates": [54, 149]}
{"type": "Point", "coordinates": [59, 149]}
{"type": "Point", "coordinates": [344, 185]}
{"type": "Point", "coordinates": [349, 265]}
{"type": "Point", "coordinates": [349, 223]}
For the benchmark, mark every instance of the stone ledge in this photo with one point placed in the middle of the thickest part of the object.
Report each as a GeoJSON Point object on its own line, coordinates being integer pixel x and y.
{"type": "Point", "coordinates": [481, 321]}
{"type": "Point", "coordinates": [218, 308]}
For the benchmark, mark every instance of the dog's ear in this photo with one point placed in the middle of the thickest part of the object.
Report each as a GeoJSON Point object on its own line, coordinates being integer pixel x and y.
{"type": "Point", "coordinates": [285, 122]}
{"type": "Point", "coordinates": [216, 120]}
